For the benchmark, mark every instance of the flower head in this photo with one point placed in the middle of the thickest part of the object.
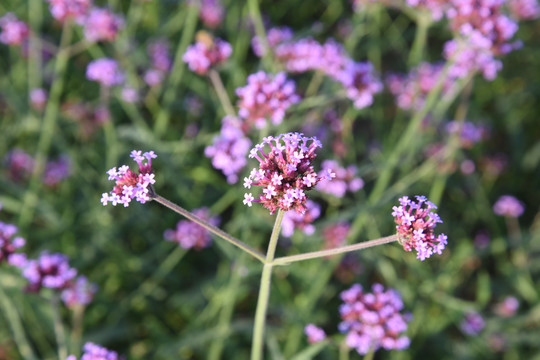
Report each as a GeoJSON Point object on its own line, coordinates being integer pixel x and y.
{"type": "Point", "coordinates": [56, 171]}
{"type": "Point", "coordinates": [38, 98]}
{"type": "Point", "coordinates": [415, 224]}
{"type": "Point", "coordinates": [9, 243]}
{"type": "Point", "coordinates": [293, 220]}
{"type": "Point", "coordinates": [96, 352]}
{"type": "Point", "coordinates": [190, 235]}
{"type": "Point", "coordinates": [360, 83]}
{"type": "Point", "coordinates": [49, 270]}
{"type": "Point", "coordinates": [105, 71]}
{"type": "Point", "coordinates": [63, 9]}
{"type": "Point", "coordinates": [130, 185]}
{"type": "Point", "coordinates": [472, 324]}
{"type": "Point", "coordinates": [80, 292]}
{"type": "Point", "coordinates": [289, 160]}
{"type": "Point", "coordinates": [509, 206]}
{"type": "Point", "coordinates": [211, 13]}
{"type": "Point", "coordinates": [315, 334]}
{"type": "Point", "coordinates": [334, 235]}
{"type": "Point", "coordinates": [102, 25]}
{"type": "Point", "coordinates": [373, 320]}
{"type": "Point", "coordinates": [507, 307]}
{"type": "Point", "coordinates": [14, 31]}
{"type": "Point", "coordinates": [345, 180]}
{"type": "Point", "coordinates": [206, 53]}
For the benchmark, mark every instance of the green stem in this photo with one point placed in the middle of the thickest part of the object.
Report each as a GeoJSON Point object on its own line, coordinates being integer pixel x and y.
{"type": "Point", "coordinates": [177, 70]}
{"type": "Point", "coordinates": [59, 328]}
{"type": "Point", "coordinates": [285, 260]}
{"type": "Point", "coordinates": [422, 25]}
{"type": "Point", "coordinates": [35, 16]}
{"type": "Point", "coordinates": [343, 351]}
{"type": "Point", "coordinates": [314, 84]}
{"type": "Point", "coordinates": [12, 316]}
{"type": "Point", "coordinates": [221, 92]}
{"type": "Point", "coordinates": [48, 128]}
{"type": "Point", "coordinates": [77, 329]}
{"type": "Point", "coordinates": [264, 291]}
{"type": "Point", "coordinates": [164, 268]}
{"type": "Point", "coordinates": [369, 355]}
{"type": "Point", "coordinates": [213, 229]}
{"type": "Point", "coordinates": [255, 13]}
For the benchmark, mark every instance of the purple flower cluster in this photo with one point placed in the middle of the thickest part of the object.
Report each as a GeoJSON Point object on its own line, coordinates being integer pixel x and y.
{"type": "Point", "coordinates": [190, 235]}
{"type": "Point", "coordinates": [304, 222]}
{"type": "Point", "coordinates": [508, 205]}
{"type": "Point", "coordinates": [523, 9]}
{"type": "Point", "coordinates": [344, 181]}
{"type": "Point", "coordinates": [436, 8]}
{"type": "Point", "coordinates": [161, 62]}
{"type": "Point", "coordinates": [472, 324]}
{"type": "Point", "coordinates": [96, 352]}
{"type": "Point", "coordinates": [314, 334]}
{"type": "Point", "coordinates": [508, 307]}
{"type": "Point", "coordinates": [38, 98]}
{"type": "Point", "coordinates": [21, 165]}
{"type": "Point", "coordinates": [206, 53]}
{"type": "Point", "coordinates": [56, 171]}
{"type": "Point", "coordinates": [415, 224]}
{"type": "Point", "coordinates": [130, 185]}
{"type": "Point", "coordinates": [211, 13]}
{"type": "Point", "coordinates": [49, 270]}
{"type": "Point", "coordinates": [79, 293]}
{"type": "Point", "coordinates": [14, 31]}
{"type": "Point", "coordinates": [469, 133]}
{"type": "Point", "coordinates": [330, 58]}
{"type": "Point", "coordinates": [102, 25]}
{"type": "Point", "coordinates": [266, 97]}
{"type": "Point", "coordinates": [9, 243]}
{"type": "Point", "coordinates": [105, 71]}
{"type": "Point", "coordinates": [373, 320]}
{"type": "Point", "coordinates": [64, 9]}
{"type": "Point", "coordinates": [334, 235]}
{"type": "Point", "coordinates": [285, 173]}
{"type": "Point", "coordinates": [229, 149]}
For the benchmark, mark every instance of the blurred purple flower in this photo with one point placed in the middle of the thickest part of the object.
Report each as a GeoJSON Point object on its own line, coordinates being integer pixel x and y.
{"type": "Point", "coordinates": [64, 9]}
{"type": "Point", "coordinates": [274, 37]}
{"type": "Point", "coordinates": [96, 352]}
{"type": "Point", "coordinates": [9, 243]}
{"type": "Point", "coordinates": [360, 83]}
{"type": "Point", "coordinates": [344, 181]}
{"type": "Point", "coordinates": [102, 25]}
{"type": "Point", "coordinates": [415, 225]}
{"type": "Point", "coordinates": [130, 185]}
{"type": "Point", "coordinates": [508, 307]}
{"type": "Point", "coordinates": [524, 9]}
{"type": "Point", "coordinates": [14, 31]}
{"type": "Point", "coordinates": [130, 95]}
{"type": "Point", "coordinates": [153, 77]}
{"type": "Point", "coordinates": [38, 98]}
{"type": "Point", "coordinates": [211, 13]}
{"type": "Point", "coordinates": [80, 292]}
{"type": "Point", "coordinates": [507, 205]}
{"type": "Point", "coordinates": [49, 270]}
{"type": "Point", "coordinates": [482, 240]}
{"type": "Point", "coordinates": [105, 71]}
{"type": "Point", "coordinates": [190, 235]}
{"type": "Point", "coordinates": [304, 222]}
{"type": "Point", "coordinates": [436, 8]}
{"type": "Point", "coordinates": [373, 320]}
{"type": "Point", "coordinates": [229, 149]}
{"type": "Point", "coordinates": [314, 334]}
{"type": "Point", "coordinates": [56, 171]}
{"type": "Point", "coordinates": [285, 173]}
{"type": "Point", "coordinates": [266, 97]}
{"type": "Point", "coordinates": [334, 235]}
{"type": "Point", "coordinates": [206, 53]}
{"type": "Point", "coordinates": [20, 164]}
{"type": "Point", "coordinates": [469, 133]}
{"type": "Point", "coordinates": [472, 324]}
{"type": "Point", "coordinates": [159, 54]}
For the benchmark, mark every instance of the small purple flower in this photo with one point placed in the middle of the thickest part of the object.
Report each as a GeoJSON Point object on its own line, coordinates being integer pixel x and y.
{"type": "Point", "coordinates": [436, 8]}
{"type": "Point", "coordinates": [509, 206]}
{"type": "Point", "coordinates": [524, 9]}
{"type": "Point", "coordinates": [334, 235]}
{"type": "Point", "coordinates": [130, 95]}
{"type": "Point", "coordinates": [290, 157]}
{"type": "Point", "coordinates": [38, 98]}
{"type": "Point", "coordinates": [96, 352]}
{"type": "Point", "coordinates": [9, 243]}
{"type": "Point", "coordinates": [159, 54]}
{"type": "Point", "coordinates": [105, 71]}
{"type": "Point", "coordinates": [360, 83]}
{"type": "Point", "coordinates": [469, 133]}
{"type": "Point", "coordinates": [314, 334]}
{"type": "Point", "coordinates": [304, 222]}
{"type": "Point", "coordinates": [20, 164]}
{"type": "Point", "coordinates": [211, 13]}
{"type": "Point", "coordinates": [14, 31]}
{"type": "Point", "coordinates": [153, 77]}
{"type": "Point", "coordinates": [344, 181]}
{"type": "Point", "coordinates": [49, 270]}
{"type": "Point", "coordinates": [373, 320]}
{"type": "Point", "coordinates": [190, 235]}
{"type": "Point", "coordinates": [508, 307]}
{"type": "Point", "coordinates": [415, 225]}
{"type": "Point", "coordinates": [229, 149]}
{"type": "Point", "coordinates": [56, 171]}
{"type": "Point", "coordinates": [80, 292]}
{"type": "Point", "coordinates": [206, 53]}
{"type": "Point", "coordinates": [63, 9]}
{"type": "Point", "coordinates": [102, 25]}
{"type": "Point", "coordinates": [472, 324]}
{"type": "Point", "coordinates": [130, 185]}
{"type": "Point", "coordinates": [275, 36]}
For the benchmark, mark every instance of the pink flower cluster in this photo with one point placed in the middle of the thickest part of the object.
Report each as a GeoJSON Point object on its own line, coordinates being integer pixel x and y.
{"type": "Point", "coordinates": [105, 71]}
{"type": "Point", "coordinates": [79, 293]}
{"type": "Point", "coordinates": [203, 55]}
{"type": "Point", "coordinates": [211, 13]}
{"type": "Point", "coordinates": [304, 222]}
{"type": "Point", "coordinates": [373, 320]}
{"type": "Point", "coordinates": [38, 98]}
{"type": "Point", "coordinates": [102, 25]}
{"type": "Point", "coordinates": [64, 9]}
{"type": "Point", "coordinates": [229, 149]}
{"type": "Point", "coordinates": [190, 235]}
{"type": "Point", "coordinates": [344, 181]}
{"type": "Point", "coordinates": [507, 307]}
{"type": "Point", "coordinates": [96, 352]}
{"type": "Point", "coordinates": [285, 173]}
{"type": "Point", "coordinates": [524, 9]}
{"type": "Point", "coordinates": [266, 97]}
{"type": "Point", "coordinates": [161, 62]}
{"type": "Point", "coordinates": [9, 243]}
{"type": "Point", "coordinates": [508, 205]}
{"type": "Point", "coordinates": [49, 270]}
{"type": "Point", "coordinates": [314, 334]}
{"type": "Point", "coordinates": [130, 185]}
{"type": "Point", "coordinates": [415, 224]}
{"type": "Point", "coordinates": [14, 31]}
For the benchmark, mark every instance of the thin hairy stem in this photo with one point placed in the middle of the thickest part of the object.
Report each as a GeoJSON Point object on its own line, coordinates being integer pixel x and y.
{"type": "Point", "coordinates": [59, 331]}
{"type": "Point", "coordinates": [221, 92]}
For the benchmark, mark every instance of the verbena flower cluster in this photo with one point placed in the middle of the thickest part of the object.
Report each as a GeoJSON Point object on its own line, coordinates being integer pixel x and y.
{"type": "Point", "coordinates": [80, 292]}
{"type": "Point", "coordinates": [130, 185]}
{"type": "Point", "coordinates": [190, 235]}
{"type": "Point", "coordinates": [102, 25]}
{"type": "Point", "coordinates": [206, 53]}
{"type": "Point", "coordinates": [211, 13]}
{"type": "Point", "coordinates": [508, 205]}
{"type": "Point", "coordinates": [472, 324]}
{"type": "Point", "coordinates": [61, 10]}
{"type": "Point", "coordinates": [304, 222]}
{"type": "Point", "coordinates": [415, 224]}
{"type": "Point", "coordinates": [105, 71]}
{"type": "Point", "coordinates": [14, 31]}
{"type": "Point", "coordinates": [334, 235]}
{"type": "Point", "coordinates": [314, 333]}
{"type": "Point", "coordinates": [266, 97]}
{"type": "Point", "coordinates": [96, 352]}
{"type": "Point", "coordinates": [345, 180]}
{"type": "Point", "coordinates": [285, 173]}
{"type": "Point", "coordinates": [373, 320]}
{"type": "Point", "coordinates": [21, 166]}
{"type": "Point", "coordinates": [507, 307]}
{"type": "Point", "coordinates": [38, 98]}
{"type": "Point", "coordinates": [469, 133]}
{"type": "Point", "coordinates": [49, 270]}
{"type": "Point", "coordinates": [9, 243]}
